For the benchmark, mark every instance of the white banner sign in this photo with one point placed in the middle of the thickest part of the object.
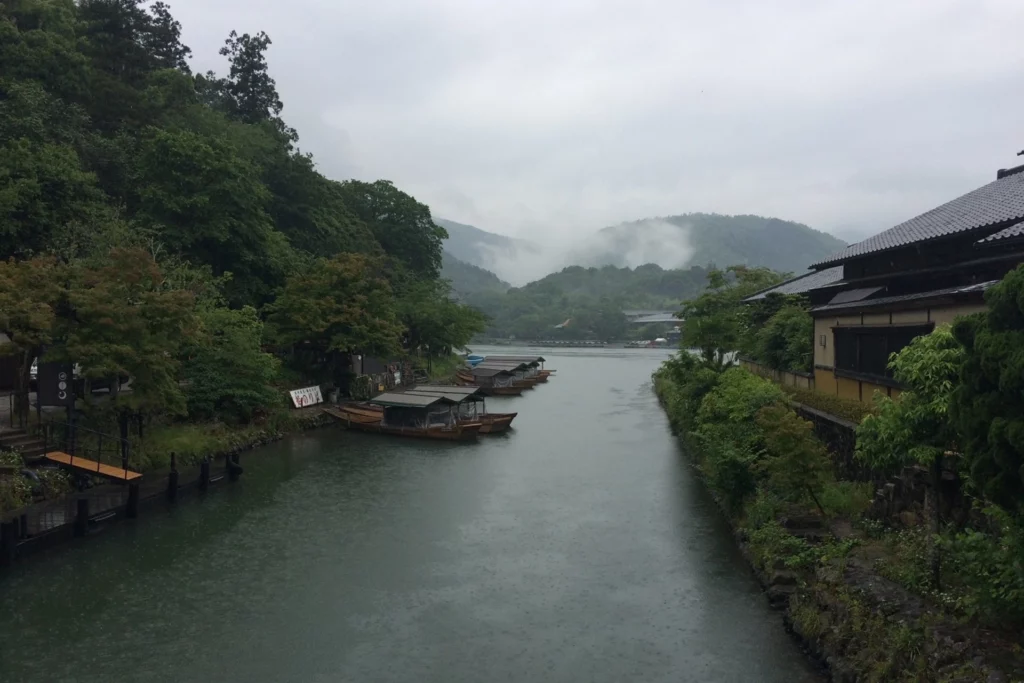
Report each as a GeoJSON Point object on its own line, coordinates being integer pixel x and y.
{"type": "Point", "coordinates": [309, 396]}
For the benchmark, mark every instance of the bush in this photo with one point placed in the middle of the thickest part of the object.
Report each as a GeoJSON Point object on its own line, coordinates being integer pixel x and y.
{"type": "Point", "coordinates": [849, 499]}
{"type": "Point", "coordinates": [854, 411]}
{"type": "Point", "coordinates": [796, 464]}
{"type": "Point", "coordinates": [989, 569]}
{"type": "Point", "coordinates": [732, 404]}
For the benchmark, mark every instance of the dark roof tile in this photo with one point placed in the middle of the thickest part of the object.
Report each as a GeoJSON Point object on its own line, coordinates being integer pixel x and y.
{"type": "Point", "coordinates": [997, 202]}
{"type": "Point", "coordinates": [886, 300]}
{"type": "Point", "coordinates": [815, 279]}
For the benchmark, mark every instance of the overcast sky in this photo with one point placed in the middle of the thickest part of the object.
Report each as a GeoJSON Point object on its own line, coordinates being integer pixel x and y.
{"type": "Point", "coordinates": [530, 118]}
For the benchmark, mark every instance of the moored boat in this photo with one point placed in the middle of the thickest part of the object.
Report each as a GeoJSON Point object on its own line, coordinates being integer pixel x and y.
{"type": "Point", "coordinates": [472, 406]}
{"type": "Point", "coordinates": [422, 416]}
{"type": "Point", "coordinates": [492, 382]}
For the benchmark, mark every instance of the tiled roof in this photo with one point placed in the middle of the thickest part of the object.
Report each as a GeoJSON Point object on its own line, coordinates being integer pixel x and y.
{"type": "Point", "coordinates": [886, 300]}
{"type": "Point", "coordinates": [1012, 232]}
{"type": "Point", "coordinates": [805, 283]}
{"type": "Point", "coordinates": [997, 202]}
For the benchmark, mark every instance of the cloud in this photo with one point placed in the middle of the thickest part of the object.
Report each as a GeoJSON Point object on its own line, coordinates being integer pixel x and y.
{"type": "Point", "coordinates": [548, 119]}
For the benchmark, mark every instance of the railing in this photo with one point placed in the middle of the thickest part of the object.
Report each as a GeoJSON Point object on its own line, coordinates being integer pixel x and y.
{"type": "Point", "coordinates": [88, 444]}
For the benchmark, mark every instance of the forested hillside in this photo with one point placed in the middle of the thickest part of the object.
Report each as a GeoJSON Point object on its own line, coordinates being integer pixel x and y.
{"type": "Point", "coordinates": [166, 225]}
{"type": "Point", "coordinates": [468, 280]}
{"type": "Point", "coordinates": [592, 299]}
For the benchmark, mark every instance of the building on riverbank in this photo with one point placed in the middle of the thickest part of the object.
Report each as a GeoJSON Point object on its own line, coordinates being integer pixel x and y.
{"type": "Point", "coordinates": [871, 299]}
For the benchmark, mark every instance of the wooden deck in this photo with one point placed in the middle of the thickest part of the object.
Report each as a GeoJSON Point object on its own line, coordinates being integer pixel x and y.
{"type": "Point", "coordinates": [93, 467]}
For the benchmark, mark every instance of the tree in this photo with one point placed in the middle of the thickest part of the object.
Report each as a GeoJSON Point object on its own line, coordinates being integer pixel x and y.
{"type": "Point", "coordinates": [335, 308]}
{"type": "Point", "coordinates": [988, 404]}
{"type": "Point", "coordinates": [434, 323]}
{"type": "Point", "coordinates": [208, 204]}
{"type": "Point", "coordinates": [713, 323]}
{"type": "Point", "coordinates": [227, 373]}
{"type": "Point", "coordinates": [402, 225]}
{"type": "Point", "coordinates": [786, 340]}
{"type": "Point", "coordinates": [252, 93]}
{"type": "Point", "coordinates": [795, 461]}
{"type": "Point", "coordinates": [164, 40]}
{"type": "Point", "coordinates": [30, 292]}
{"type": "Point", "coordinates": [125, 322]}
{"type": "Point", "coordinates": [916, 427]}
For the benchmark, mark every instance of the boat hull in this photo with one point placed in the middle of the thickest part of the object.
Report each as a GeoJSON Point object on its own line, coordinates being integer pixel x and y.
{"type": "Point", "coordinates": [495, 423]}
{"type": "Point", "coordinates": [364, 420]}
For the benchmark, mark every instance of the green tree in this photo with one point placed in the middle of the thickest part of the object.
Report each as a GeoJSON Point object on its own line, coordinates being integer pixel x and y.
{"type": "Point", "coordinates": [251, 92]}
{"type": "Point", "coordinates": [434, 324]}
{"type": "Point", "coordinates": [228, 374]}
{"type": "Point", "coordinates": [126, 322]}
{"type": "Point", "coordinates": [333, 309]}
{"type": "Point", "coordinates": [988, 405]}
{"type": "Point", "coordinates": [402, 225]}
{"type": "Point", "coordinates": [795, 462]}
{"type": "Point", "coordinates": [713, 323]}
{"type": "Point", "coordinates": [916, 427]}
{"type": "Point", "coordinates": [786, 340]}
{"type": "Point", "coordinates": [208, 204]}
{"type": "Point", "coordinates": [30, 292]}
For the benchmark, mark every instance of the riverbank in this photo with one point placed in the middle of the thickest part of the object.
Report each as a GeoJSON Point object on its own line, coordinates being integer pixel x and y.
{"type": "Point", "coordinates": [53, 522]}
{"type": "Point", "coordinates": [821, 559]}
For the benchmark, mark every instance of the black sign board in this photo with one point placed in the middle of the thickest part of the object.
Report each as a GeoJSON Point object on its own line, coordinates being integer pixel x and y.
{"type": "Point", "coordinates": [56, 384]}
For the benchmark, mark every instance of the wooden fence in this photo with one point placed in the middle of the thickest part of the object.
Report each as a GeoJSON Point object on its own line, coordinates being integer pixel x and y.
{"type": "Point", "coordinates": [800, 380]}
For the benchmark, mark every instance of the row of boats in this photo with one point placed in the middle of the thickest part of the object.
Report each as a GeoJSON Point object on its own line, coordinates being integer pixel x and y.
{"type": "Point", "coordinates": [449, 412]}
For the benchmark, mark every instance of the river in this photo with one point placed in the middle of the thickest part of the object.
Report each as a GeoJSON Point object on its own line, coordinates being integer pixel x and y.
{"type": "Point", "coordinates": [579, 547]}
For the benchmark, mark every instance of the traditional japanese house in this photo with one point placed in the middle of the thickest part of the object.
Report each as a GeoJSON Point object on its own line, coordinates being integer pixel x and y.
{"type": "Point", "coordinates": [871, 299]}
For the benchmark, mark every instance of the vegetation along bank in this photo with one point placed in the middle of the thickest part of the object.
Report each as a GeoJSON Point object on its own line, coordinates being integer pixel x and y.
{"type": "Point", "coordinates": [912, 570]}
{"type": "Point", "coordinates": [165, 235]}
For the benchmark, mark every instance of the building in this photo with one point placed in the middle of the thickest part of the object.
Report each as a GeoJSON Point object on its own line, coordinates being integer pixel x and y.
{"type": "Point", "coordinates": [871, 299]}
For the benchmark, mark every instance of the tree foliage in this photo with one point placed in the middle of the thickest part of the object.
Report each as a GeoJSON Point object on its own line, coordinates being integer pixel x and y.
{"type": "Point", "coordinates": [785, 341]}
{"type": "Point", "coordinates": [714, 322]}
{"type": "Point", "coordinates": [988, 404]}
{"type": "Point", "coordinates": [227, 373]}
{"type": "Point", "coordinates": [126, 323]}
{"type": "Point", "coordinates": [915, 427]}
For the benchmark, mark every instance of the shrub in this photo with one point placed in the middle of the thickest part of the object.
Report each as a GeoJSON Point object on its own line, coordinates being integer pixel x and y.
{"type": "Point", "coordinates": [796, 464]}
{"type": "Point", "coordinates": [849, 499]}
{"type": "Point", "coordinates": [733, 403]}
{"type": "Point", "coordinates": [989, 568]}
{"type": "Point", "coordinates": [848, 409]}
{"type": "Point", "coordinates": [785, 342]}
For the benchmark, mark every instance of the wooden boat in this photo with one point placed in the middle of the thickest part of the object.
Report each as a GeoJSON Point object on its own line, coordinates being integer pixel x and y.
{"type": "Point", "coordinates": [536, 364]}
{"type": "Point", "coordinates": [420, 416]}
{"type": "Point", "coordinates": [471, 403]}
{"type": "Point", "coordinates": [492, 382]}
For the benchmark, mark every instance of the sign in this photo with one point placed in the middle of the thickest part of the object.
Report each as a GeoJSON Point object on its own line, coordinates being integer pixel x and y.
{"type": "Point", "coordinates": [309, 396]}
{"type": "Point", "coordinates": [55, 384]}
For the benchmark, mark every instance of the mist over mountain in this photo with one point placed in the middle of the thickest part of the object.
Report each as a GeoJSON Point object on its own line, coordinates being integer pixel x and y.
{"type": "Point", "coordinates": [671, 242]}
{"type": "Point", "coordinates": [468, 279]}
{"type": "Point", "coordinates": [702, 238]}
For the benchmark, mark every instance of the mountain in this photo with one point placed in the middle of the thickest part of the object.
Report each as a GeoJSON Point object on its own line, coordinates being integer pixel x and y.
{"type": "Point", "coordinates": [592, 299]}
{"type": "Point", "coordinates": [468, 279]}
{"type": "Point", "coordinates": [484, 249]}
{"type": "Point", "coordinates": [703, 238]}
{"type": "Point", "coordinates": [671, 242]}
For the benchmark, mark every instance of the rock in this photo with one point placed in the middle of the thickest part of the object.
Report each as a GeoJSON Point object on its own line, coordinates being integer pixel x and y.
{"type": "Point", "coordinates": [908, 519]}
{"type": "Point", "coordinates": [997, 677]}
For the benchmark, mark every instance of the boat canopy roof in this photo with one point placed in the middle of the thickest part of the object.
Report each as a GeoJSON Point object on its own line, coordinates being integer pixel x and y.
{"type": "Point", "coordinates": [444, 388]}
{"type": "Point", "coordinates": [523, 359]}
{"type": "Point", "coordinates": [491, 371]}
{"type": "Point", "coordinates": [456, 396]}
{"type": "Point", "coordinates": [410, 400]}
{"type": "Point", "coordinates": [505, 364]}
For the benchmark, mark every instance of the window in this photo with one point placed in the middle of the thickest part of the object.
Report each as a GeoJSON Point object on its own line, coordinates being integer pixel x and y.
{"type": "Point", "coordinates": [866, 350]}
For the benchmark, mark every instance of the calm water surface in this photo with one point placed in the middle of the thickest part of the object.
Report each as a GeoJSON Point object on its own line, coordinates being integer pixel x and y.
{"type": "Point", "coordinates": [577, 548]}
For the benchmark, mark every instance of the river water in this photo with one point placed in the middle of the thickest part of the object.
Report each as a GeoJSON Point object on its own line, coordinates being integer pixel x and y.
{"type": "Point", "coordinates": [579, 547]}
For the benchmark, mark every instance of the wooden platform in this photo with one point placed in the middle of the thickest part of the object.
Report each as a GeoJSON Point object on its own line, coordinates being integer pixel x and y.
{"type": "Point", "coordinates": [93, 467]}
